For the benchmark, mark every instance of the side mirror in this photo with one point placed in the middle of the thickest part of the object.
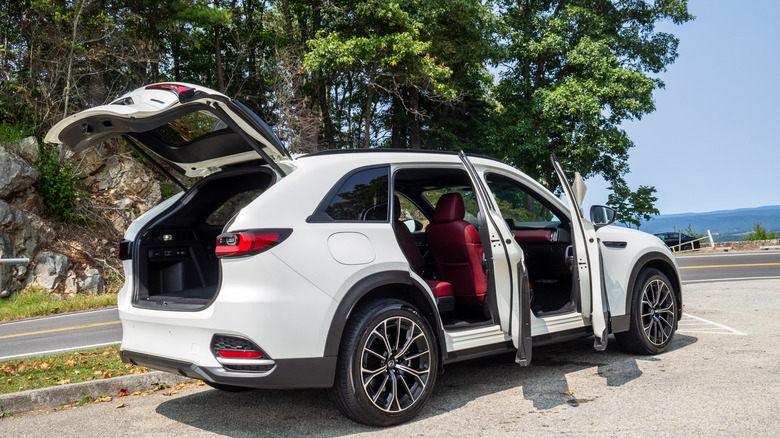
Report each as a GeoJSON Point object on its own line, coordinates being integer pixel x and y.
{"type": "Point", "coordinates": [413, 225]}
{"type": "Point", "coordinates": [602, 216]}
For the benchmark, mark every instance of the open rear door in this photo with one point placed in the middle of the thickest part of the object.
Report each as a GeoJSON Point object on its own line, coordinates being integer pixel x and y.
{"type": "Point", "coordinates": [194, 129]}
{"type": "Point", "coordinates": [586, 248]}
{"type": "Point", "coordinates": [507, 269]}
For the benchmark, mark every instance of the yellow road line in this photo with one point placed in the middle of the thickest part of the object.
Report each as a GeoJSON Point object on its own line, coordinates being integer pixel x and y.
{"type": "Point", "coordinates": [729, 266]}
{"type": "Point", "coordinates": [60, 329]}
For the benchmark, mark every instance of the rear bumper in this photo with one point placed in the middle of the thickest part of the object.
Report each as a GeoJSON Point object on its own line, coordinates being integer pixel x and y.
{"type": "Point", "coordinates": [315, 372]}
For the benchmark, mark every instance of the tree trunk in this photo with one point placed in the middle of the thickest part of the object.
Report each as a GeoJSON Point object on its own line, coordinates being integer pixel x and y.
{"type": "Point", "coordinates": [414, 122]}
{"type": "Point", "coordinates": [78, 7]}
{"type": "Point", "coordinates": [397, 131]}
{"type": "Point", "coordinates": [367, 117]}
{"type": "Point", "coordinates": [218, 54]}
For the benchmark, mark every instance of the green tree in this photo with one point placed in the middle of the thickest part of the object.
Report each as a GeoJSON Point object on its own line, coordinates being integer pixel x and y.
{"type": "Point", "coordinates": [759, 232]}
{"type": "Point", "coordinates": [380, 47]}
{"type": "Point", "coordinates": [577, 69]}
{"type": "Point", "coordinates": [632, 207]}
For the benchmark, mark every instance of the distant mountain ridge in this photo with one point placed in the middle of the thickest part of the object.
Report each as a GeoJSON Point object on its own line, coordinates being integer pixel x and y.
{"type": "Point", "coordinates": [726, 225]}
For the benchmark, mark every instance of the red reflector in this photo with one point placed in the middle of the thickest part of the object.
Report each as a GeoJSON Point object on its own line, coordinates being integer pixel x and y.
{"type": "Point", "coordinates": [178, 89]}
{"type": "Point", "coordinates": [249, 242]}
{"type": "Point", "coordinates": [240, 354]}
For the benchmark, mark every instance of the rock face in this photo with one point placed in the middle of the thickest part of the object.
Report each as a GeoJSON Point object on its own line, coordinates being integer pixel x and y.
{"type": "Point", "coordinates": [118, 178]}
{"type": "Point", "coordinates": [21, 235]}
{"type": "Point", "coordinates": [118, 189]}
{"type": "Point", "coordinates": [93, 282]}
{"type": "Point", "coordinates": [16, 175]}
{"type": "Point", "coordinates": [27, 149]}
{"type": "Point", "coordinates": [50, 270]}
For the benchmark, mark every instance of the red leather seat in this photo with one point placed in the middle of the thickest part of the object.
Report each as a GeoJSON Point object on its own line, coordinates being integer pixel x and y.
{"type": "Point", "coordinates": [457, 251]}
{"type": "Point", "coordinates": [442, 291]}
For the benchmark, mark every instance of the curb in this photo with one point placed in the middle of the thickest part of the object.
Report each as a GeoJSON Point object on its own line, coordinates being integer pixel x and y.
{"type": "Point", "coordinates": [55, 396]}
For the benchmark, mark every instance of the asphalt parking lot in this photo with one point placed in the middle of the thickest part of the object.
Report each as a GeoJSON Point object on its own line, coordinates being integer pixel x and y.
{"type": "Point", "coordinates": [721, 378]}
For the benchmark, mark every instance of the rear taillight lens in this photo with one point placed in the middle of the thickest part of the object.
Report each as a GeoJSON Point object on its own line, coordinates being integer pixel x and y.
{"type": "Point", "coordinates": [185, 93]}
{"type": "Point", "coordinates": [176, 88]}
{"type": "Point", "coordinates": [249, 242]}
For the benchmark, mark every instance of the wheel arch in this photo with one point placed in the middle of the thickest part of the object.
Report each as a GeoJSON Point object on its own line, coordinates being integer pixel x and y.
{"type": "Point", "coordinates": [663, 263]}
{"type": "Point", "coordinates": [389, 284]}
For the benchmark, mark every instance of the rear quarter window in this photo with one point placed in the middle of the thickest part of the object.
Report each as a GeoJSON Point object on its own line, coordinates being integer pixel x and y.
{"type": "Point", "coordinates": [361, 196]}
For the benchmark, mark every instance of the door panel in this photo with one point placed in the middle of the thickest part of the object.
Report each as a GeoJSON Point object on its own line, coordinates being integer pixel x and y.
{"type": "Point", "coordinates": [588, 263]}
{"type": "Point", "coordinates": [510, 278]}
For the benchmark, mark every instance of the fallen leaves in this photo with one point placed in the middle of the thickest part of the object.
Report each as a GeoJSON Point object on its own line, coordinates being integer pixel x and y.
{"type": "Point", "coordinates": [120, 405]}
{"type": "Point", "coordinates": [63, 382]}
{"type": "Point", "coordinates": [122, 392]}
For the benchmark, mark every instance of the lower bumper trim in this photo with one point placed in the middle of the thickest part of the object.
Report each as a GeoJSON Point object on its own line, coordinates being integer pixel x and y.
{"type": "Point", "coordinates": [317, 372]}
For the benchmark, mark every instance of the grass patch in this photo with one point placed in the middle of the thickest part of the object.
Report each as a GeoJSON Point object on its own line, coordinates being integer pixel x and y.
{"type": "Point", "coordinates": [64, 368]}
{"type": "Point", "coordinates": [35, 301]}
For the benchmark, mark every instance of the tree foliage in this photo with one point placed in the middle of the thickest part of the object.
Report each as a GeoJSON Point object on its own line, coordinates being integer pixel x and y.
{"type": "Point", "coordinates": [632, 207]}
{"type": "Point", "coordinates": [759, 232]}
{"type": "Point", "coordinates": [575, 71]}
{"type": "Point", "coordinates": [518, 80]}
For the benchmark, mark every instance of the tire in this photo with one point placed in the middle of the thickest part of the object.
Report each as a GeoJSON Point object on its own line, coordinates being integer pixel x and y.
{"type": "Point", "coordinates": [653, 315]}
{"type": "Point", "coordinates": [387, 365]}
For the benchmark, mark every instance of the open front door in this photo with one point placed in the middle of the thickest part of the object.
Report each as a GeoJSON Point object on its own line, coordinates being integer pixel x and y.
{"type": "Point", "coordinates": [506, 268]}
{"type": "Point", "coordinates": [586, 249]}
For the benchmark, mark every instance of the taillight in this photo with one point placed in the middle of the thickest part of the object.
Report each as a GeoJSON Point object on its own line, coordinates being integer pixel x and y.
{"type": "Point", "coordinates": [176, 88]}
{"type": "Point", "coordinates": [185, 93]}
{"type": "Point", "coordinates": [249, 242]}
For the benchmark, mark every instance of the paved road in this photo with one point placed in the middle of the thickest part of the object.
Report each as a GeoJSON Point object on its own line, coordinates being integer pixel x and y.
{"type": "Point", "coordinates": [51, 334]}
{"type": "Point", "coordinates": [94, 328]}
{"type": "Point", "coordinates": [720, 378]}
{"type": "Point", "coordinates": [729, 266]}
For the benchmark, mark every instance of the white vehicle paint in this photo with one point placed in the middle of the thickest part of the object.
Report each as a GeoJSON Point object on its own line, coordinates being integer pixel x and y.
{"type": "Point", "coordinates": [311, 283]}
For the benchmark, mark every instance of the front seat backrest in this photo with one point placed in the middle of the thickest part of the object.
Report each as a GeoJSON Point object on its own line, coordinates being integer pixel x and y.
{"type": "Point", "coordinates": [457, 250]}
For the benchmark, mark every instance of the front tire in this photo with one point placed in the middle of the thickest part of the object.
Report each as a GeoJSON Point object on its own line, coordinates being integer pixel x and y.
{"type": "Point", "coordinates": [653, 315]}
{"type": "Point", "coordinates": [387, 365]}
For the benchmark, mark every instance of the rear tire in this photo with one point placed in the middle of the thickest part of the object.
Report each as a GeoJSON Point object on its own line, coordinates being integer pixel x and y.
{"type": "Point", "coordinates": [387, 365]}
{"type": "Point", "coordinates": [653, 315]}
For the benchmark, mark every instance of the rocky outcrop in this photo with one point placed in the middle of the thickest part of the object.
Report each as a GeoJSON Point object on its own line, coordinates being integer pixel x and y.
{"type": "Point", "coordinates": [50, 270]}
{"type": "Point", "coordinates": [27, 149]}
{"type": "Point", "coordinates": [118, 189]}
{"type": "Point", "coordinates": [114, 176]}
{"type": "Point", "coordinates": [16, 174]}
{"type": "Point", "coordinates": [21, 235]}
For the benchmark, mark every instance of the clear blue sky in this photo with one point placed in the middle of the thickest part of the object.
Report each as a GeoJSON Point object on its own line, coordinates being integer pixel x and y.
{"type": "Point", "coordinates": [713, 141]}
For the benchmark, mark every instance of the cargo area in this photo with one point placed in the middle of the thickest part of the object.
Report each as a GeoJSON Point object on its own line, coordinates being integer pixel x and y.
{"type": "Point", "coordinates": [176, 268]}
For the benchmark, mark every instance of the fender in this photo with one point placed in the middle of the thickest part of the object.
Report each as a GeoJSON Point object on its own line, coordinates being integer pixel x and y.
{"type": "Point", "coordinates": [675, 278]}
{"type": "Point", "coordinates": [360, 290]}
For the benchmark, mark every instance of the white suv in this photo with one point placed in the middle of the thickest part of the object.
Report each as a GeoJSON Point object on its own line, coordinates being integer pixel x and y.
{"type": "Point", "coordinates": [360, 271]}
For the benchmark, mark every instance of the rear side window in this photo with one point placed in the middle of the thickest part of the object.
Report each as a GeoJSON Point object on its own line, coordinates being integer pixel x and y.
{"type": "Point", "coordinates": [361, 197]}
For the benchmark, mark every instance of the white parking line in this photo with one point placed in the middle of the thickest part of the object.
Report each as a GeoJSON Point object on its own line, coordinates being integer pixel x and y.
{"type": "Point", "coordinates": [713, 280]}
{"type": "Point", "coordinates": [701, 325]}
